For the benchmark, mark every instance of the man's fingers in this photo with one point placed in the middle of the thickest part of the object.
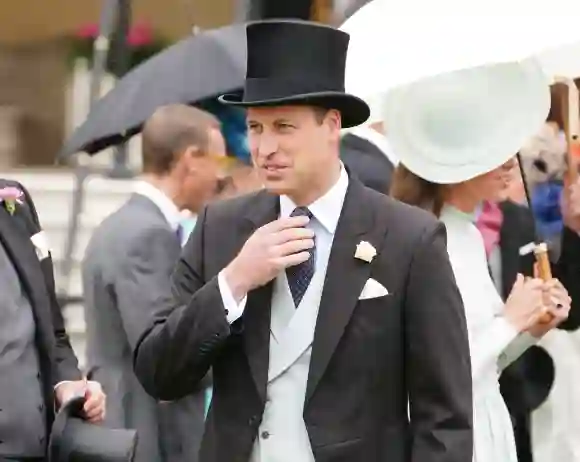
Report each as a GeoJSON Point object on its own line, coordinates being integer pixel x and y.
{"type": "Point", "coordinates": [285, 223]}
{"type": "Point", "coordinates": [96, 416]}
{"type": "Point", "coordinates": [96, 420]}
{"type": "Point", "coordinates": [93, 413]}
{"type": "Point", "coordinates": [292, 260]}
{"type": "Point", "coordinates": [92, 404]}
{"type": "Point", "coordinates": [292, 247]}
{"type": "Point", "coordinates": [291, 234]}
{"type": "Point", "coordinates": [94, 401]}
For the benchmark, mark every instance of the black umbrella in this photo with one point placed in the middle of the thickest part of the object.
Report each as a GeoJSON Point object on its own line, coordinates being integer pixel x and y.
{"type": "Point", "coordinates": [191, 71]}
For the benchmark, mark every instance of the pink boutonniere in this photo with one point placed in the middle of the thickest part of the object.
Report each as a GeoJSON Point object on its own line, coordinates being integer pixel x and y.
{"type": "Point", "coordinates": [10, 196]}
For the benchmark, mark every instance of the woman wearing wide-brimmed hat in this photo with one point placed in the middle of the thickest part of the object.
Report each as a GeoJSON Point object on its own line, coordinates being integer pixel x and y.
{"type": "Point", "coordinates": [456, 136]}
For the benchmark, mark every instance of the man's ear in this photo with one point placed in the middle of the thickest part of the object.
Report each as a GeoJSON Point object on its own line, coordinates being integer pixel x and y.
{"type": "Point", "coordinates": [334, 123]}
{"type": "Point", "coordinates": [185, 160]}
{"type": "Point", "coordinates": [191, 151]}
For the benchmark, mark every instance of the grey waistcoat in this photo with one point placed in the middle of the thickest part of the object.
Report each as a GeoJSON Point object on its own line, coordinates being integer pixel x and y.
{"type": "Point", "coordinates": [22, 410]}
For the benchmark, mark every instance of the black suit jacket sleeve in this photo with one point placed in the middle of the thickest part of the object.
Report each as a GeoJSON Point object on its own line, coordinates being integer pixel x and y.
{"type": "Point", "coordinates": [567, 270]}
{"type": "Point", "coordinates": [174, 354]}
{"type": "Point", "coordinates": [65, 365]}
{"type": "Point", "coordinates": [437, 357]}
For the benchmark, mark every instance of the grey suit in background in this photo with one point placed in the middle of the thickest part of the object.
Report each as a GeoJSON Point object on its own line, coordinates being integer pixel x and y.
{"type": "Point", "coordinates": [127, 269]}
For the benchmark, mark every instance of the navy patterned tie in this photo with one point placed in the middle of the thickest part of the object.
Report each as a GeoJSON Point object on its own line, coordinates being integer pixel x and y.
{"type": "Point", "coordinates": [179, 233]}
{"type": "Point", "coordinates": [299, 276]}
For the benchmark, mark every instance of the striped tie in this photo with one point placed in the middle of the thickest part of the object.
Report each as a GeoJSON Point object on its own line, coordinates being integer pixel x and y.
{"type": "Point", "coordinates": [299, 276]}
{"type": "Point", "coordinates": [179, 232]}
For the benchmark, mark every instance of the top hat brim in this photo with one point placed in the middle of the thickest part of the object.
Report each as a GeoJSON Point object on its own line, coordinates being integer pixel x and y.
{"type": "Point", "coordinates": [73, 438]}
{"type": "Point", "coordinates": [353, 110]}
{"type": "Point", "coordinates": [528, 381]}
{"type": "Point", "coordinates": [540, 376]}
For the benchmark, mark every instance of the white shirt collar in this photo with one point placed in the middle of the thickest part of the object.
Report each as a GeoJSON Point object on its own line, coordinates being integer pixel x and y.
{"type": "Point", "coordinates": [164, 203]}
{"type": "Point", "coordinates": [325, 209]}
{"type": "Point", "coordinates": [380, 141]}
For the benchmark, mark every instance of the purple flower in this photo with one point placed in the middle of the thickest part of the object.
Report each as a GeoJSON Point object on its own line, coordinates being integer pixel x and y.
{"type": "Point", "coordinates": [10, 196]}
{"type": "Point", "coordinates": [11, 193]}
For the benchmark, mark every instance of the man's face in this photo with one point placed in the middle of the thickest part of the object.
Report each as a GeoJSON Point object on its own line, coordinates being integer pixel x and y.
{"type": "Point", "coordinates": [292, 146]}
{"type": "Point", "coordinates": [199, 183]}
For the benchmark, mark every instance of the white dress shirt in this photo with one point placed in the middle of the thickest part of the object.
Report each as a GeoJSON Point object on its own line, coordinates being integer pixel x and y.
{"type": "Point", "coordinates": [326, 212]}
{"type": "Point", "coordinates": [167, 207]}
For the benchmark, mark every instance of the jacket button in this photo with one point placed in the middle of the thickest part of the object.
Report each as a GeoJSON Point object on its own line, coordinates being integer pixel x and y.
{"type": "Point", "coordinates": [265, 435]}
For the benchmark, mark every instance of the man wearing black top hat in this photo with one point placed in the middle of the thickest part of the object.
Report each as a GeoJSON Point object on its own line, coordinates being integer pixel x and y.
{"type": "Point", "coordinates": [328, 312]}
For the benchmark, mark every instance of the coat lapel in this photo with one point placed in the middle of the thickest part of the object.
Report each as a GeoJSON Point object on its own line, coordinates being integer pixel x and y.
{"type": "Point", "coordinates": [345, 276]}
{"type": "Point", "coordinates": [297, 337]}
{"type": "Point", "coordinates": [284, 312]}
{"type": "Point", "coordinates": [256, 317]}
{"type": "Point", "coordinates": [16, 239]}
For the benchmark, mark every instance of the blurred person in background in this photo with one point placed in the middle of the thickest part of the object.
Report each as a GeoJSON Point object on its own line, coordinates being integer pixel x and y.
{"type": "Point", "coordinates": [509, 225]}
{"type": "Point", "coordinates": [240, 176]}
{"type": "Point", "coordinates": [365, 150]}
{"type": "Point", "coordinates": [127, 268]}
{"type": "Point", "coordinates": [531, 381]}
{"type": "Point", "coordinates": [38, 368]}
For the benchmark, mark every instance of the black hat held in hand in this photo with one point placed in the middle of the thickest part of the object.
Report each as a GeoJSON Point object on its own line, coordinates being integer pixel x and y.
{"type": "Point", "coordinates": [74, 440]}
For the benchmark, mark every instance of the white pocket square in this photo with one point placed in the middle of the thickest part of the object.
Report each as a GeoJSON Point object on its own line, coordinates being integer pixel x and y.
{"type": "Point", "coordinates": [373, 289]}
{"type": "Point", "coordinates": [41, 245]}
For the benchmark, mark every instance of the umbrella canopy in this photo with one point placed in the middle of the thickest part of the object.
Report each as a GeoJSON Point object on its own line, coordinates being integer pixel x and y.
{"type": "Point", "coordinates": [562, 61]}
{"type": "Point", "coordinates": [191, 71]}
{"type": "Point", "coordinates": [397, 42]}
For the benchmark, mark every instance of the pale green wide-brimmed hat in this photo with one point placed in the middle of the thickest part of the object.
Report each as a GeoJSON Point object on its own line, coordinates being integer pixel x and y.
{"type": "Point", "coordinates": [456, 126]}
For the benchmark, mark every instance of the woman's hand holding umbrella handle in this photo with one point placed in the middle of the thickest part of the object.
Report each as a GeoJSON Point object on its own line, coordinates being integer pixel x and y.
{"type": "Point", "coordinates": [525, 304]}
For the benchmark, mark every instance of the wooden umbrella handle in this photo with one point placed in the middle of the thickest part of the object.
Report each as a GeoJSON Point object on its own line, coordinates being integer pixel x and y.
{"type": "Point", "coordinates": [543, 270]}
{"type": "Point", "coordinates": [543, 262]}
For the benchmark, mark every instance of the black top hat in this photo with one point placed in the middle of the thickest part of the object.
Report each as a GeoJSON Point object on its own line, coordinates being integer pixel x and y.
{"type": "Point", "coordinates": [74, 440]}
{"type": "Point", "coordinates": [298, 62]}
{"type": "Point", "coordinates": [527, 382]}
